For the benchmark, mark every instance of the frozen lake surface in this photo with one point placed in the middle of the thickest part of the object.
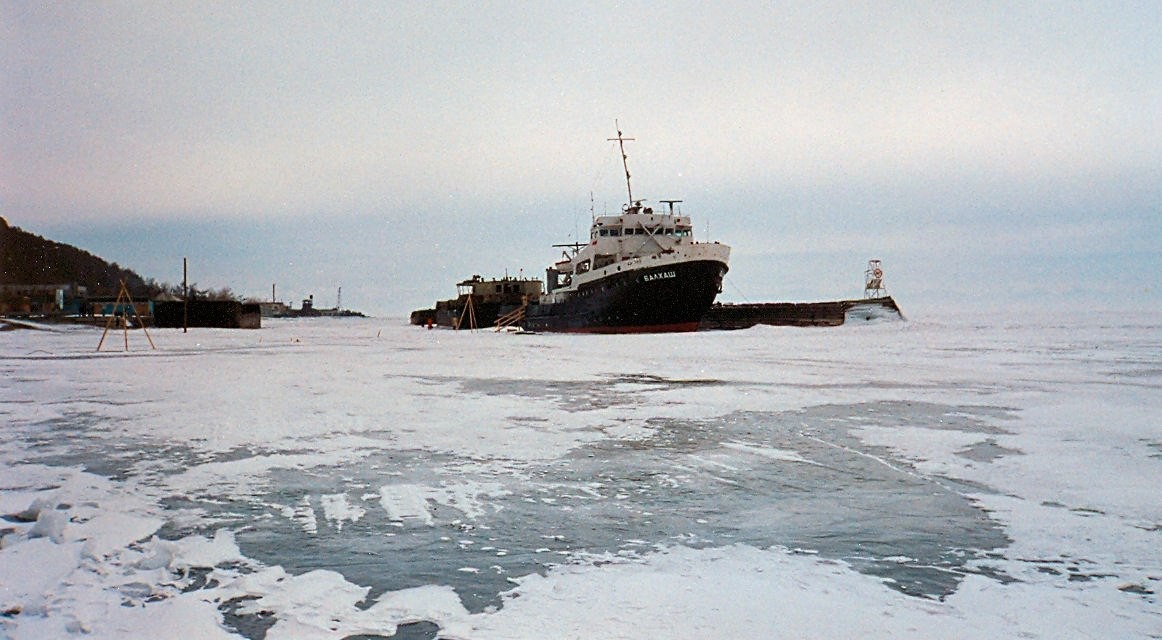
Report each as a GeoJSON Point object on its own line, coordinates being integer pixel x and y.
{"type": "Point", "coordinates": [331, 478]}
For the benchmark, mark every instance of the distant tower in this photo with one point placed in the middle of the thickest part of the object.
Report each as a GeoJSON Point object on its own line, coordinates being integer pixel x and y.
{"type": "Point", "coordinates": [873, 280]}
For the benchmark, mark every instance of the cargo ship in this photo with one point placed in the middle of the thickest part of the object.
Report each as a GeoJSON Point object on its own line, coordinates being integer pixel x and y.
{"type": "Point", "coordinates": [641, 271]}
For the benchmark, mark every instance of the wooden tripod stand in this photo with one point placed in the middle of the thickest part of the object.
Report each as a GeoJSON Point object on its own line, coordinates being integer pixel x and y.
{"type": "Point", "coordinates": [123, 297]}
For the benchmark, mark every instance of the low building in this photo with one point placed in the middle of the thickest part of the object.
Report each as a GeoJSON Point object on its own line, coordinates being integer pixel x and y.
{"type": "Point", "coordinates": [42, 299]}
{"type": "Point", "coordinates": [274, 309]}
{"type": "Point", "coordinates": [222, 314]}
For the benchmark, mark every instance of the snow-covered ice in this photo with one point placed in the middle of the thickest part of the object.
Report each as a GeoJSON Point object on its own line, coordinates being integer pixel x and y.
{"type": "Point", "coordinates": [947, 477]}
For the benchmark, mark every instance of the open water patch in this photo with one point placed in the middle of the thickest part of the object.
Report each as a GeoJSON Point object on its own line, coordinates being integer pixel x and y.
{"type": "Point", "coordinates": [798, 480]}
{"type": "Point", "coordinates": [395, 519]}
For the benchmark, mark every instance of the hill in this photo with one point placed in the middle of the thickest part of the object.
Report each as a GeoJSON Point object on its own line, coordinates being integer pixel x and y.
{"type": "Point", "coordinates": [29, 259]}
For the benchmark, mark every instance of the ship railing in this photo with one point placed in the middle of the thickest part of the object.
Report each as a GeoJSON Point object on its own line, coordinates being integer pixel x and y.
{"type": "Point", "coordinates": [514, 317]}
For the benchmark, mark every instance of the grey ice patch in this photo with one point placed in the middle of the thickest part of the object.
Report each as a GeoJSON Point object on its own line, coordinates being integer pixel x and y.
{"type": "Point", "coordinates": [579, 395]}
{"type": "Point", "coordinates": [987, 451]}
{"type": "Point", "coordinates": [928, 415]}
{"type": "Point", "coordinates": [794, 479]}
{"type": "Point", "coordinates": [851, 501]}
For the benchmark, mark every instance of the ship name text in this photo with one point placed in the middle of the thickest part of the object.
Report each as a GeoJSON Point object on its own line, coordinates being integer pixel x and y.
{"type": "Point", "coordinates": [659, 276]}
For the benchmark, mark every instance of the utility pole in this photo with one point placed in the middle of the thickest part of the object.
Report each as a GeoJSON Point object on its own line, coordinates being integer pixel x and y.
{"type": "Point", "coordinates": [185, 296]}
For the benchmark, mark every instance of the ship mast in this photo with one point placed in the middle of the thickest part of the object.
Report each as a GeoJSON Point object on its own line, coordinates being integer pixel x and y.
{"type": "Point", "coordinates": [621, 140]}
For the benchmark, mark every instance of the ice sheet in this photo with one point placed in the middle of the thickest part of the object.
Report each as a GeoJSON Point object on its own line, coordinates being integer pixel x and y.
{"type": "Point", "coordinates": [951, 477]}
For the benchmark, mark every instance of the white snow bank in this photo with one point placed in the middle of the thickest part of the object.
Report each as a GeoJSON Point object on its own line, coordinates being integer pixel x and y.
{"type": "Point", "coordinates": [736, 592]}
{"type": "Point", "coordinates": [30, 573]}
{"type": "Point", "coordinates": [107, 533]}
{"type": "Point", "coordinates": [202, 552]}
{"type": "Point", "coordinates": [49, 524]}
{"type": "Point", "coordinates": [742, 592]}
{"type": "Point", "coordinates": [79, 567]}
{"type": "Point", "coordinates": [322, 605]}
{"type": "Point", "coordinates": [52, 590]}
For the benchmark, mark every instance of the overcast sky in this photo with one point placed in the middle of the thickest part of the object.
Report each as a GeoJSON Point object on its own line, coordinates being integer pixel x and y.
{"type": "Point", "coordinates": [990, 153]}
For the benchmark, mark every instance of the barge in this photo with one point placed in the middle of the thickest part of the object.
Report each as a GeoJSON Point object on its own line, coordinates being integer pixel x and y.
{"type": "Point", "coordinates": [480, 303]}
{"type": "Point", "coordinates": [875, 305]}
{"type": "Point", "coordinates": [799, 314]}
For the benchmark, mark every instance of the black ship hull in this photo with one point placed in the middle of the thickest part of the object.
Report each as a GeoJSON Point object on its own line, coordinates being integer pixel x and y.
{"type": "Point", "coordinates": [668, 298]}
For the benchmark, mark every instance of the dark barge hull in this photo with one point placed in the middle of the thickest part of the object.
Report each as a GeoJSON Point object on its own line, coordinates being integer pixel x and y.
{"type": "Point", "coordinates": [798, 314]}
{"type": "Point", "coordinates": [221, 314]}
{"type": "Point", "coordinates": [669, 298]}
{"type": "Point", "coordinates": [423, 316]}
{"type": "Point", "coordinates": [450, 314]}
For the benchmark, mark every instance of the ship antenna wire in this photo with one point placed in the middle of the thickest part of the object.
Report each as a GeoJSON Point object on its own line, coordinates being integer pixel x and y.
{"type": "Point", "coordinates": [621, 140]}
{"type": "Point", "coordinates": [736, 288]}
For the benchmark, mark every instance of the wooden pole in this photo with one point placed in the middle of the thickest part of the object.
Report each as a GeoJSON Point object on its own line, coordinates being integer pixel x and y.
{"type": "Point", "coordinates": [185, 297]}
{"type": "Point", "coordinates": [468, 312]}
{"type": "Point", "coordinates": [140, 320]}
{"type": "Point", "coordinates": [113, 316]}
{"type": "Point", "coordinates": [108, 325]}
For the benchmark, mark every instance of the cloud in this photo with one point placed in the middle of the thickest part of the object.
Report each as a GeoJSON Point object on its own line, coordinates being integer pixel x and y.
{"type": "Point", "coordinates": [807, 125]}
{"type": "Point", "coordinates": [262, 108]}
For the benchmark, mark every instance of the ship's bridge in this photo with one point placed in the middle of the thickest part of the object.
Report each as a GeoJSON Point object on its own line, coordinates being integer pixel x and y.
{"type": "Point", "coordinates": [638, 232]}
{"type": "Point", "coordinates": [641, 224]}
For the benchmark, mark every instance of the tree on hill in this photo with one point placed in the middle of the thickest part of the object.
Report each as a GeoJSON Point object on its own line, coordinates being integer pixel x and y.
{"type": "Point", "coordinates": [29, 259]}
{"type": "Point", "coordinates": [26, 258]}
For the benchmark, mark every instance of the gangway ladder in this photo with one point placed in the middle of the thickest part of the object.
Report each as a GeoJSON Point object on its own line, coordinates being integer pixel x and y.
{"type": "Point", "coordinates": [516, 316]}
{"type": "Point", "coordinates": [123, 298]}
{"type": "Point", "coordinates": [873, 281]}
